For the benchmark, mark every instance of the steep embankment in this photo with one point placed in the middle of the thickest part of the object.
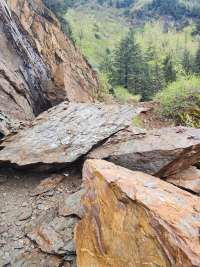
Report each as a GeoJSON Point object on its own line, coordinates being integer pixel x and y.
{"type": "Point", "coordinates": [39, 66]}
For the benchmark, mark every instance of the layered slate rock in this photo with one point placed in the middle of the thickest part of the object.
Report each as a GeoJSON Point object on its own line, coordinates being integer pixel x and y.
{"type": "Point", "coordinates": [66, 132]}
{"type": "Point", "coordinates": [160, 152]}
{"type": "Point", "coordinates": [71, 77]}
{"type": "Point", "coordinates": [39, 65]}
{"type": "Point", "coordinates": [22, 72]}
{"type": "Point", "coordinates": [188, 179]}
{"type": "Point", "coordinates": [134, 219]}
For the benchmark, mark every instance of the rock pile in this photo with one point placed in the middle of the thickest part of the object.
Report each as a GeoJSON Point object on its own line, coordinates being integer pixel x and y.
{"type": "Point", "coordinates": [138, 204]}
{"type": "Point", "coordinates": [120, 216]}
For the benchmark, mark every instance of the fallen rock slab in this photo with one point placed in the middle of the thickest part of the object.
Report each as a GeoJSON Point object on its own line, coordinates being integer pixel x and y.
{"type": "Point", "coordinates": [160, 152]}
{"type": "Point", "coordinates": [66, 132]}
{"type": "Point", "coordinates": [48, 184]}
{"type": "Point", "coordinates": [188, 179]}
{"type": "Point", "coordinates": [134, 219]}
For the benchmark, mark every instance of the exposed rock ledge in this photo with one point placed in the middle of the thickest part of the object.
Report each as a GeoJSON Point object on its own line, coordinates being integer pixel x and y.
{"type": "Point", "coordinates": [160, 152]}
{"type": "Point", "coordinates": [39, 66]}
{"type": "Point", "coordinates": [66, 132]}
{"type": "Point", "coordinates": [134, 219]}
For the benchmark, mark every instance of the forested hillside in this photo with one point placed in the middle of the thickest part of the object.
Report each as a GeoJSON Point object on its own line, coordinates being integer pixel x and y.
{"type": "Point", "coordinates": [142, 49]}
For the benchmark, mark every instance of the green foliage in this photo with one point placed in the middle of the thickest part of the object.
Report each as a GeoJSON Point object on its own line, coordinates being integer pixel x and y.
{"type": "Point", "coordinates": [168, 69]}
{"type": "Point", "coordinates": [129, 67]}
{"type": "Point", "coordinates": [89, 24]}
{"type": "Point", "coordinates": [197, 61]}
{"type": "Point", "coordinates": [180, 101]}
{"type": "Point", "coordinates": [187, 62]}
{"type": "Point", "coordinates": [123, 96]}
{"type": "Point", "coordinates": [106, 91]}
{"type": "Point", "coordinates": [137, 122]}
{"type": "Point", "coordinates": [142, 67]}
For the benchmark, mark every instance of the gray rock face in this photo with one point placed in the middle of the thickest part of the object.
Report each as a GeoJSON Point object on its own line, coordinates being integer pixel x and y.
{"type": "Point", "coordinates": [188, 179]}
{"type": "Point", "coordinates": [36, 258]}
{"type": "Point", "coordinates": [65, 133]}
{"type": "Point", "coordinates": [71, 205]}
{"type": "Point", "coordinates": [56, 237]}
{"type": "Point", "coordinates": [159, 152]}
{"type": "Point", "coordinates": [21, 62]}
{"type": "Point", "coordinates": [22, 73]}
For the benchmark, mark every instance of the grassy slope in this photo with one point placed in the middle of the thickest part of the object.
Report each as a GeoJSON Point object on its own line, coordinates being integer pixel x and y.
{"type": "Point", "coordinates": [96, 30]}
{"type": "Point", "coordinates": [109, 27]}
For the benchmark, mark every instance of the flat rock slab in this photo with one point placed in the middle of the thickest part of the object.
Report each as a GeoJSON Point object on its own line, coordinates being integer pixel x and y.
{"type": "Point", "coordinates": [160, 152]}
{"type": "Point", "coordinates": [66, 132]}
{"type": "Point", "coordinates": [134, 219]}
{"type": "Point", "coordinates": [188, 179]}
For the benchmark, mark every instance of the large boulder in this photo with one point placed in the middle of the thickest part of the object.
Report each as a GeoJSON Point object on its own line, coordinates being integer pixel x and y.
{"type": "Point", "coordinates": [160, 152]}
{"type": "Point", "coordinates": [134, 219]}
{"type": "Point", "coordinates": [65, 133]}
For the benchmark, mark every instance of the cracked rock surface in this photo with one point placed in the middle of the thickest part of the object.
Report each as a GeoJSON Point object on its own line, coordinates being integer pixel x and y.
{"type": "Point", "coordinates": [134, 219]}
{"type": "Point", "coordinates": [160, 152]}
{"type": "Point", "coordinates": [66, 132]}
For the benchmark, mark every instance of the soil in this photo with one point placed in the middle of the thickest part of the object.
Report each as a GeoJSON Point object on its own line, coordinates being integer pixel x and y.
{"type": "Point", "coordinates": [151, 119]}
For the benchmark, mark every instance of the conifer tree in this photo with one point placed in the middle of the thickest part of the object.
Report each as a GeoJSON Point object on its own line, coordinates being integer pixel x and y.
{"type": "Point", "coordinates": [187, 62]}
{"type": "Point", "coordinates": [129, 68]}
{"type": "Point", "coordinates": [168, 69]}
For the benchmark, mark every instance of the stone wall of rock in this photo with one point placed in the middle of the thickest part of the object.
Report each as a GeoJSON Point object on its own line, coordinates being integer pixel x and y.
{"type": "Point", "coordinates": [39, 66]}
{"type": "Point", "coordinates": [22, 71]}
{"type": "Point", "coordinates": [72, 76]}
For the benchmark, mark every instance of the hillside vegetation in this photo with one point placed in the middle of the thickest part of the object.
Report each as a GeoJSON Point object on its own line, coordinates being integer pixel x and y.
{"type": "Point", "coordinates": [162, 52]}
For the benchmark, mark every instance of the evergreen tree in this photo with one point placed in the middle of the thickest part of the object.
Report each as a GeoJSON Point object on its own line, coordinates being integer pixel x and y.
{"type": "Point", "coordinates": [168, 69]}
{"type": "Point", "coordinates": [187, 62]}
{"type": "Point", "coordinates": [197, 61]}
{"type": "Point", "coordinates": [156, 71]}
{"type": "Point", "coordinates": [157, 78]}
{"type": "Point", "coordinates": [129, 67]}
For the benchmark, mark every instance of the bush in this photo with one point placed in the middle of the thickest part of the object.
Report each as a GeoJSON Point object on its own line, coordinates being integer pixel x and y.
{"type": "Point", "coordinates": [180, 101]}
{"type": "Point", "coordinates": [123, 96]}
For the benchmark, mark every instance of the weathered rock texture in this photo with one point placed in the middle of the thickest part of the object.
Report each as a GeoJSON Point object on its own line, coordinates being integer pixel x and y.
{"type": "Point", "coordinates": [37, 258]}
{"type": "Point", "coordinates": [39, 66]}
{"type": "Point", "coordinates": [160, 152]}
{"type": "Point", "coordinates": [134, 219]}
{"type": "Point", "coordinates": [22, 71]}
{"type": "Point", "coordinates": [72, 76]}
{"type": "Point", "coordinates": [65, 133]}
{"type": "Point", "coordinates": [188, 179]}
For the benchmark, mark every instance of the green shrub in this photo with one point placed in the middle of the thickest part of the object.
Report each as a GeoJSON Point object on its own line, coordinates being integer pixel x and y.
{"type": "Point", "coordinates": [180, 101]}
{"type": "Point", "coordinates": [123, 96]}
{"type": "Point", "coordinates": [104, 94]}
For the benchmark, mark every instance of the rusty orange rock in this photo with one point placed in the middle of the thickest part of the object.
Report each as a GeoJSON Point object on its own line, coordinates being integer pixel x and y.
{"type": "Point", "coordinates": [133, 219]}
{"type": "Point", "coordinates": [71, 75]}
